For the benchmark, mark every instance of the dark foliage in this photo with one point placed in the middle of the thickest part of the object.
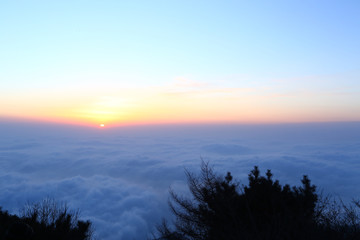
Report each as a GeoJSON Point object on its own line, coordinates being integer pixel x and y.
{"type": "Point", "coordinates": [44, 221]}
{"type": "Point", "coordinates": [264, 210]}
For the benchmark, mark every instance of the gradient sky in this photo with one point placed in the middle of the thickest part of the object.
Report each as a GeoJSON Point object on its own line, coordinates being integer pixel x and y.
{"type": "Point", "coordinates": [129, 62]}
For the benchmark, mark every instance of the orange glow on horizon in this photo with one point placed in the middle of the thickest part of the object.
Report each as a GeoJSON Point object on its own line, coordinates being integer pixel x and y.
{"type": "Point", "coordinates": [180, 103]}
{"type": "Point", "coordinates": [159, 121]}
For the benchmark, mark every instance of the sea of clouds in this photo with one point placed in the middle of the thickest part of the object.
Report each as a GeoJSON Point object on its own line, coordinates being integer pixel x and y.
{"type": "Point", "coordinates": [119, 177]}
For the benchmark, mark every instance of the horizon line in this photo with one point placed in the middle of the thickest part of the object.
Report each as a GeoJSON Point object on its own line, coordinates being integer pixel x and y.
{"type": "Point", "coordinates": [163, 123]}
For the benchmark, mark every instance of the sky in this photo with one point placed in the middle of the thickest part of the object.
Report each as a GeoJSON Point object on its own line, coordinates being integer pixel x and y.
{"type": "Point", "coordinates": [235, 83]}
{"type": "Point", "coordinates": [155, 62]}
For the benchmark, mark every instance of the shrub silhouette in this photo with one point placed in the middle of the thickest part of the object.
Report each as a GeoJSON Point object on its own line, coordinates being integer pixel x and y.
{"type": "Point", "coordinates": [44, 220]}
{"type": "Point", "coordinates": [222, 209]}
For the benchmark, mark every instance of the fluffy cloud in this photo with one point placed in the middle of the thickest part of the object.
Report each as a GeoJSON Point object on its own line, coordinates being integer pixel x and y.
{"type": "Point", "coordinates": [119, 178]}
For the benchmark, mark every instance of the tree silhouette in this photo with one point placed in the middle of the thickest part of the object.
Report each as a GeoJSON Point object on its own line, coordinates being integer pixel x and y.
{"type": "Point", "coordinates": [42, 221]}
{"type": "Point", "coordinates": [222, 209]}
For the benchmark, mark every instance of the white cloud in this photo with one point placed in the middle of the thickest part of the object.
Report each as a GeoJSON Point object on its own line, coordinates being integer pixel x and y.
{"type": "Point", "coordinates": [119, 178]}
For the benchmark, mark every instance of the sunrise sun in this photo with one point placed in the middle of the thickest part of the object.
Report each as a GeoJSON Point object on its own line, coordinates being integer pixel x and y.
{"type": "Point", "coordinates": [102, 125]}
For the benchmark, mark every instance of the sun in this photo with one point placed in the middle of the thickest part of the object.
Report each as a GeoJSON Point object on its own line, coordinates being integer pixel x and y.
{"type": "Point", "coordinates": [102, 125]}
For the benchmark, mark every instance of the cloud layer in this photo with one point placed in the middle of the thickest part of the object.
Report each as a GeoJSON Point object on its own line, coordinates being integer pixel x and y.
{"type": "Point", "coordinates": [119, 178]}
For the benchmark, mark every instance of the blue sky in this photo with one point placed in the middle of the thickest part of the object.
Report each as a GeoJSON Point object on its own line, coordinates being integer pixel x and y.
{"type": "Point", "coordinates": [275, 47]}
